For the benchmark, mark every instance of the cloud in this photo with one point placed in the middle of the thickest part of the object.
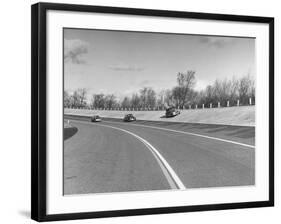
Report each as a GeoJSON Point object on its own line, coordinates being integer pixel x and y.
{"type": "Point", "coordinates": [217, 42]}
{"type": "Point", "coordinates": [129, 68]}
{"type": "Point", "coordinates": [74, 50]}
{"type": "Point", "coordinates": [145, 82]}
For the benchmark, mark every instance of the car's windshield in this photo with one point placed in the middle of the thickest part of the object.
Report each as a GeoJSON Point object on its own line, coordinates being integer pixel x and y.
{"type": "Point", "coordinates": [170, 109]}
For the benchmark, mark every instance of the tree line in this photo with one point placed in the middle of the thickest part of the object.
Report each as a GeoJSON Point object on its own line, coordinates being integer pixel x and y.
{"type": "Point", "coordinates": [183, 95]}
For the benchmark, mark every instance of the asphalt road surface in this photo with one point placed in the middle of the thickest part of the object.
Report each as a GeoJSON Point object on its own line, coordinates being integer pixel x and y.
{"type": "Point", "coordinates": [116, 156]}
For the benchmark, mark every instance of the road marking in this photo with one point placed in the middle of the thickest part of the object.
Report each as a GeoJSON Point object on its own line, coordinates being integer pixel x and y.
{"type": "Point", "coordinates": [186, 133]}
{"type": "Point", "coordinates": [171, 176]}
{"type": "Point", "coordinates": [183, 132]}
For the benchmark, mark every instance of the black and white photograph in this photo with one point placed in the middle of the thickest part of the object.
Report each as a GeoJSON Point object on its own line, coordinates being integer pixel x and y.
{"type": "Point", "coordinates": [139, 111]}
{"type": "Point", "coordinates": [153, 111]}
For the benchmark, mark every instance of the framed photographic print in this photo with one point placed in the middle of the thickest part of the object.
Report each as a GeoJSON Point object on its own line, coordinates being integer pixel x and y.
{"type": "Point", "coordinates": [139, 111]}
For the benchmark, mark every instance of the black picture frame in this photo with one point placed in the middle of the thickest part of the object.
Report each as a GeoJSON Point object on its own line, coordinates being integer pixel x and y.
{"type": "Point", "coordinates": [39, 108]}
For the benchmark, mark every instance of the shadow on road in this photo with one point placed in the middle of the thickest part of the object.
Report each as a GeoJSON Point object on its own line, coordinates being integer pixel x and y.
{"type": "Point", "coordinates": [69, 132]}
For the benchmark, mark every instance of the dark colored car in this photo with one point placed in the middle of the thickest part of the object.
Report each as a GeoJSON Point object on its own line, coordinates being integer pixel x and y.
{"type": "Point", "coordinates": [129, 117]}
{"type": "Point", "coordinates": [95, 118]}
{"type": "Point", "coordinates": [172, 112]}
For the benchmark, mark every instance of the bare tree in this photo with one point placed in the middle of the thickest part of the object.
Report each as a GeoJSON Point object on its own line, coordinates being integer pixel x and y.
{"type": "Point", "coordinates": [182, 95]}
{"type": "Point", "coordinates": [151, 98]}
{"type": "Point", "coordinates": [110, 101]}
{"type": "Point", "coordinates": [135, 101]}
{"type": "Point", "coordinates": [160, 99]}
{"type": "Point", "coordinates": [126, 102]}
{"type": "Point", "coordinates": [225, 92]}
{"type": "Point", "coordinates": [82, 93]}
{"type": "Point", "coordinates": [168, 98]}
{"type": "Point", "coordinates": [199, 98]}
{"type": "Point", "coordinates": [98, 101]}
{"type": "Point", "coordinates": [191, 98]}
{"type": "Point", "coordinates": [244, 89]}
{"type": "Point", "coordinates": [66, 99]}
{"type": "Point", "coordinates": [233, 91]}
{"type": "Point", "coordinates": [143, 96]}
{"type": "Point", "coordinates": [177, 96]}
{"type": "Point", "coordinates": [147, 97]}
{"type": "Point", "coordinates": [209, 94]}
{"type": "Point", "coordinates": [75, 101]}
{"type": "Point", "coordinates": [221, 92]}
{"type": "Point", "coordinates": [186, 82]}
{"type": "Point", "coordinates": [252, 93]}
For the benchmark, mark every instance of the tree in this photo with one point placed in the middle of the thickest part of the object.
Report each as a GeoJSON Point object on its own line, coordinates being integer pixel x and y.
{"type": "Point", "coordinates": [186, 82]}
{"type": "Point", "coordinates": [143, 96]}
{"type": "Point", "coordinates": [244, 89]}
{"type": "Point", "coordinates": [82, 93]}
{"type": "Point", "coordinates": [233, 91]}
{"type": "Point", "coordinates": [225, 92]}
{"type": "Point", "coordinates": [126, 102]}
{"type": "Point", "coordinates": [160, 98]}
{"type": "Point", "coordinates": [151, 98]}
{"type": "Point", "coordinates": [75, 101]}
{"type": "Point", "coordinates": [168, 98]}
{"type": "Point", "coordinates": [178, 96]}
{"type": "Point", "coordinates": [135, 101]}
{"type": "Point", "coordinates": [199, 98]}
{"type": "Point", "coordinates": [110, 101]}
{"type": "Point", "coordinates": [190, 98]}
{"type": "Point", "coordinates": [182, 95]}
{"type": "Point", "coordinates": [98, 101]}
{"type": "Point", "coordinates": [66, 99]}
{"type": "Point", "coordinates": [221, 91]}
{"type": "Point", "coordinates": [252, 92]}
{"type": "Point", "coordinates": [209, 95]}
{"type": "Point", "coordinates": [147, 97]}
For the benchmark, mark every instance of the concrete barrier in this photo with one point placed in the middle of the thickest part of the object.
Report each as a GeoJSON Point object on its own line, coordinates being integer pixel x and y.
{"type": "Point", "coordinates": [242, 115]}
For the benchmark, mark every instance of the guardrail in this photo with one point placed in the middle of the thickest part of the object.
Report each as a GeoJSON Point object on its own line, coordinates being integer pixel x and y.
{"type": "Point", "coordinates": [162, 108]}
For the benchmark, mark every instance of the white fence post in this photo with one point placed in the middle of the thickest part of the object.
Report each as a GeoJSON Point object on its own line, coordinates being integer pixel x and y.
{"type": "Point", "coordinates": [196, 106]}
{"type": "Point", "coordinates": [219, 104]}
{"type": "Point", "coordinates": [227, 104]}
{"type": "Point", "coordinates": [250, 101]}
{"type": "Point", "coordinates": [211, 105]}
{"type": "Point", "coordinates": [203, 106]}
{"type": "Point", "coordinates": [237, 103]}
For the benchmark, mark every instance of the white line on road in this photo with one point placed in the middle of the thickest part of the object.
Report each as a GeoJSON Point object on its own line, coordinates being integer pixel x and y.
{"type": "Point", "coordinates": [183, 132]}
{"type": "Point", "coordinates": [186, 133]}
{"type": "Point", "coordinates": [171, 176]}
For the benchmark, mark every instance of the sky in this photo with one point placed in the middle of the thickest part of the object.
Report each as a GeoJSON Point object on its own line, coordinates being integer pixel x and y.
{"type": "Point", "coordinates": [121, 63]}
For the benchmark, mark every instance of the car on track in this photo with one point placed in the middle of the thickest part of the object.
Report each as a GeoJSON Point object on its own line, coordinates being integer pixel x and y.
{"type": "Point", "coordinates": [129, 117]}
{"type": "Point", "coordinates": [172, 112]}
{"type": "Point", "coordinates": [95, 118]}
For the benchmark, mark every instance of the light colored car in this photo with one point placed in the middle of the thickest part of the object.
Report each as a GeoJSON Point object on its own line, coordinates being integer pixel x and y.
{"type": "Point", "coordinates": [95, 118]}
